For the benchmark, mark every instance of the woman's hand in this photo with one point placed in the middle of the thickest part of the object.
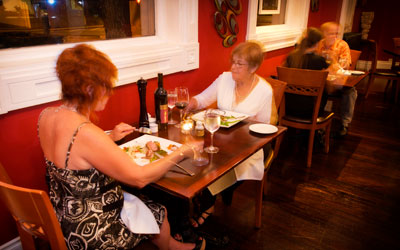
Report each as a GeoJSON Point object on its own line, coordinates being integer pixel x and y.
{"type": "Point", "coordinates": [191, 146]}
{"type": "Point", "coordinates": [192, 104]}
{"type": "Point", "coordinates": [120, 131]}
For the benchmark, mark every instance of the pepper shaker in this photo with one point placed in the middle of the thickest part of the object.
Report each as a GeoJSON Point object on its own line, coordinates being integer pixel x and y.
{"type": "Point", "coordinates": [143, 117]}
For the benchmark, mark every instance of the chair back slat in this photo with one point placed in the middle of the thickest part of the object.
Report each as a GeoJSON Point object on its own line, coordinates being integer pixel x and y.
{"type": "Point", "coordinates": [301, 90]}
{"type": "Point", "coordinates": [355, 54]}
{"type": "Point", "coordinates": [278, 88]}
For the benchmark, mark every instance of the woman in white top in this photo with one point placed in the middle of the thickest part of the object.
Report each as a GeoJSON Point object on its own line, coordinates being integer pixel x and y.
{"type": "Point", "coordinates": [240, 90]}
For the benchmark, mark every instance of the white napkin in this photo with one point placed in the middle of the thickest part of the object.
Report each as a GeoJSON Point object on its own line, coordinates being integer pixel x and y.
{"type": "Point", "coordinates": [343, 72]}
{"type": "Point", "coordinates": [137, 216]}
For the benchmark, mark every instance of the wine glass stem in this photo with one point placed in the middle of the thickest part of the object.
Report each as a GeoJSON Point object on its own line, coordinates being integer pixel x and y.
{"type": "Point", "coordinates": [181, 113]}
{"type": "Point", "coordinates": [212, 140]}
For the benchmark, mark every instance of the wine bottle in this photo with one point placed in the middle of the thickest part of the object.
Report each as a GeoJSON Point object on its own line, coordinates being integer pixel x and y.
{"type": "Point", "coordinates": [143, 117]}
{"type": "Point", "coordinates": [161, 103]}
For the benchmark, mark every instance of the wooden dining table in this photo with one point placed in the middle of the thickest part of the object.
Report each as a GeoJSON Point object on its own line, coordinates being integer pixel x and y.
{"type": "Point", "coordinates": [235, 145]}
{"type": "Point", "coordinates": [349, 80]}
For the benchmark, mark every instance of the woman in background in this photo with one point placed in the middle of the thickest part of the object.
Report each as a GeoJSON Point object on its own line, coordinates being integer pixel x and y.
{"type": "Point", "coordinates": [304, 57]}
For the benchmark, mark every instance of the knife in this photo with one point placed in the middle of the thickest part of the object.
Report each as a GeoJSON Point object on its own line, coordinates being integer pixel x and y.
{"type": "Point", "coordinates": [188, 172]}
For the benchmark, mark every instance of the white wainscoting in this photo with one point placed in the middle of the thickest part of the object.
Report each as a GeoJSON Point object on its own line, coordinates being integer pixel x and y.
{"type": "Point", "coordinates": [14, 244]}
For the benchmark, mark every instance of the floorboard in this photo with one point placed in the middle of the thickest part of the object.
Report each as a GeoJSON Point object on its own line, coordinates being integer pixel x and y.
{"type": "Point", "coordinates": [348, 199]}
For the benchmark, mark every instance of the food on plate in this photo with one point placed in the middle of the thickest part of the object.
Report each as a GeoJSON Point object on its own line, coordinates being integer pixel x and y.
{"type": "Point", "coordinates": [148, 151]}
{"type": "Point", "coordinates": [172, 147]}
{"type": "Point", "coordinates": [228, 120]}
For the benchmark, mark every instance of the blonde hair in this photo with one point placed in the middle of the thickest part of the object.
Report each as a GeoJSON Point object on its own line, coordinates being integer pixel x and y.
{"type": "Point", "coordinates": [251, 51]}
{"type": "Point", "coordinates": [327, 25]}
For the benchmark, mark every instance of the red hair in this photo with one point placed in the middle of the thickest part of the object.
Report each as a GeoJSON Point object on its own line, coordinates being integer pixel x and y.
{"type": "Point", "coordinates": [86, 75]}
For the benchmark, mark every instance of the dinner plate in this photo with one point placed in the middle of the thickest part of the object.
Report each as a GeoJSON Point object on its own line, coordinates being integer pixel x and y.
{"type": "Point", "coordinates": [228, 119]}
{"type": "Point", "coordinates": [263, 128]}
{"type": "Point", "coordinates": [141, 142]}
{"type": "Point", "coordinates": [356, 72]}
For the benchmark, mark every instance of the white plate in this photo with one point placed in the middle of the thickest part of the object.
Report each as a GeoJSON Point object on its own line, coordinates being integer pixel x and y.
{"type": "Point", "coordinates": [263, 128]}
{"type": "Point", "coordinates": [356, 72]}
{"type": "Point", "coordinates": [234, 118]}
{"type": "Point", "coordinates": [142, 140]}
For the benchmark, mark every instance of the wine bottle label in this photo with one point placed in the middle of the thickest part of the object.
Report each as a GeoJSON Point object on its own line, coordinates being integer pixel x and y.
{"type": "Point", "coordinates": [164, 113]}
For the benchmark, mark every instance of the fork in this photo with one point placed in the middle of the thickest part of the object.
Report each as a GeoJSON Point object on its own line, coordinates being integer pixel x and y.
{"type": "Point", "coordinates": [190, 173]}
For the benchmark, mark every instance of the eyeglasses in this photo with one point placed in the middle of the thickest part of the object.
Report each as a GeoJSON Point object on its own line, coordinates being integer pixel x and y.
{"type": "Point", "coordinates": [239, 64]}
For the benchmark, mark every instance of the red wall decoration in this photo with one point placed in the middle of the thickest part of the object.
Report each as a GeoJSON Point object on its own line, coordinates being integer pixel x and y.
{"type": "Point", "coordinates": [225, 20]}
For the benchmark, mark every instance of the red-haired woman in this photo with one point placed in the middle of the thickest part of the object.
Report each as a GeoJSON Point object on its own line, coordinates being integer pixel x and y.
{"type": "Point", "coordinates": [84, 164]}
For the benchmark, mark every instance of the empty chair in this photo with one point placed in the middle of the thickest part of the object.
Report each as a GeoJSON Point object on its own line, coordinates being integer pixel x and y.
{"type": "Point", "coordinates": [33, 213]}
{"type": "Point", "coordinates": [279, 90]}
{"type": "Point", "coordinates": [390, 74]}
{"type": "Point", "coordinates": [311, 83]}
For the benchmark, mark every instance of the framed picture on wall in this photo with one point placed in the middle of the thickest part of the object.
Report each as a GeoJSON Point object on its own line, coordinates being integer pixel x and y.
{"type": "Point", "coordinates": [268, 7]}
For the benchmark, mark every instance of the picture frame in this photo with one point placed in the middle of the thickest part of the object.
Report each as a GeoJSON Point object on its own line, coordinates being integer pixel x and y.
{"type": "Point", "coordinates": [268, 7]}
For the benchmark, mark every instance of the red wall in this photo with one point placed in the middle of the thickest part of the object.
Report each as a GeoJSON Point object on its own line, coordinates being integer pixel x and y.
{"type": "Point", "coordinates": [20, 152]}
{"type": "Point", "coordinates": [328, 11]}
{"type": "Point", "coordinates": [385, 25]}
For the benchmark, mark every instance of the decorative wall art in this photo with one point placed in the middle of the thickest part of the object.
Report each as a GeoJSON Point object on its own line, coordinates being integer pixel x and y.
{"type": "Point", "coordinates": [268, 7]}
{"type": "Point", "coordinates": [225, 20]}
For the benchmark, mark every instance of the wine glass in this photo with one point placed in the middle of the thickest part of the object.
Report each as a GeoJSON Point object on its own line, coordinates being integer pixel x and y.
{"type": "Point", "coordinates": [327, 56]}
{"type": "Point", "coordinates": [182, 100]}
{"type": "Point", "coordinates": [171, 95]}
{"type": "Point", "coordinates": [212, 122]}
{"type": "Point", "coordinates": [342, 63]}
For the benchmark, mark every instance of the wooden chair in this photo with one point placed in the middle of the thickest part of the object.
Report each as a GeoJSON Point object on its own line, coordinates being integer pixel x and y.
{"type": "Point", "coordinates": [389, 74]}
{"type": "Point", "coordinates": [355, 54]}
{"type": "Point", "coordinates": [33, 214]}
{"type": "Point", "coordinates": [306, 83]}
{"type": "Point", "coordinates": [279, 90]}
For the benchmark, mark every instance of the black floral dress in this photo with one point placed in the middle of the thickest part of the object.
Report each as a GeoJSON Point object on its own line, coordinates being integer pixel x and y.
{"type": "Point", "coordinates": [88, 205]}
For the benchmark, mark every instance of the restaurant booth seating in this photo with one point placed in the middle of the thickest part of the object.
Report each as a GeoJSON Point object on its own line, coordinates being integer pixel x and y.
{"type": "Point", "coordinates": [306, 83]}
{"type": "Point", "coordinates": [278, 90]}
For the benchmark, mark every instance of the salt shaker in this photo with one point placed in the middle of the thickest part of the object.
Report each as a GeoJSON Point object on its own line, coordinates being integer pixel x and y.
{"type": "Point", "coordinates": [199, 129]}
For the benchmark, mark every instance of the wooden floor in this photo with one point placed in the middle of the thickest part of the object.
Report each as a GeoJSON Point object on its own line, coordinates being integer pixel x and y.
{"type": "Point", "coordinates": [348, 199]}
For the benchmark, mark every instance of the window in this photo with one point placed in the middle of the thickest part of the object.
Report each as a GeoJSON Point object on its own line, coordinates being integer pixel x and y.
{"type": "Point", "coordinates": [38, 22]}
{"type": "Point", "coordinates": [278, 16]}
{"type": "Point", "coordinates": [27, 74]}
{"type": "Point", "coordinates": [280, 35]}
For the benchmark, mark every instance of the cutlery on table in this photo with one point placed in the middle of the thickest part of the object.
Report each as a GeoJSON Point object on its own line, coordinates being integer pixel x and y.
{"type": "Point", "coordinates": [188, 172]}
{"type": "Point", "coordinates": [142, 130]}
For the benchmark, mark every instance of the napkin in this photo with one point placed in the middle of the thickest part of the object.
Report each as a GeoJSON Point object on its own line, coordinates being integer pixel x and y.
{"type": "Point", "coordinates": [343, 72]}
{"type": "Point", "coordinates": [137, 216]}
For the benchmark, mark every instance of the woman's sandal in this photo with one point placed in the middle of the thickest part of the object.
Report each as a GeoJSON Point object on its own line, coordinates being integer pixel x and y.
{"type": "Point", "coordinates": [217, 241]}
{"type": "Point", "coordinates": [188, 237]}
{"type": "Point", "coordinates": [200, 244]}
{"type": "Point", "coordinates": [196, 223]}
